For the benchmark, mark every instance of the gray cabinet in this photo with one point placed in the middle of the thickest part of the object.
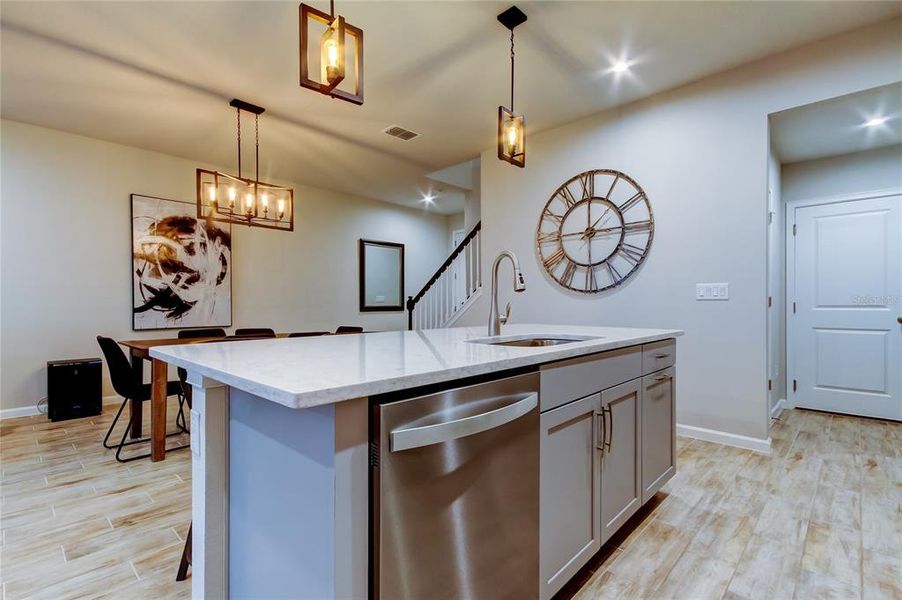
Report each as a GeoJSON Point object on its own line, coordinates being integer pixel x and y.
{"type": "Point", "coordinates": [567, 380]}
{"type": "Point", "coordinates": [570, 468]}
{"type": "Point", "coordinates": [608, 444]}
{"type": "Point", "coordinates": [658, 431]}
{"type": "Point", "coordinates": [621, 492]}
{"type": "Point", "coordinates": [658, 355]}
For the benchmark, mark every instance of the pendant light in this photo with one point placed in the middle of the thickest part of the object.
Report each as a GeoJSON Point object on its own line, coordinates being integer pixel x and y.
{"type": "Point", "coordinates": [333, 47]}
{"type": "Point", "coordinates": [241, 200]}
{"type": "Point", "coordinates": [511, 126]}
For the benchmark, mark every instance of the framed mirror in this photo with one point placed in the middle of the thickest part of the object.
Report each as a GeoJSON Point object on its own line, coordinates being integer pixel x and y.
{"type": "Point", "coordinates": [381, 276]}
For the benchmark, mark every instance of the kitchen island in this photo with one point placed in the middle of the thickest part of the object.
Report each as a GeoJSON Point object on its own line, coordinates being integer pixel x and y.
{"type": "Point", "coordinates": [281, 442]}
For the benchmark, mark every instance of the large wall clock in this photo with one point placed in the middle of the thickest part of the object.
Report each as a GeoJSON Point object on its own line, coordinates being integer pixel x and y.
{"type": "Point", "coordinates": [595, 231]}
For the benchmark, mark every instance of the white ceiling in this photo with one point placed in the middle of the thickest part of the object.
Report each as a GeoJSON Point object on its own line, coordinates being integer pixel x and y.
{"type": "Point", "coordinates": [159, 75]}
{"type": "Point", "coordinates": [837, 126]}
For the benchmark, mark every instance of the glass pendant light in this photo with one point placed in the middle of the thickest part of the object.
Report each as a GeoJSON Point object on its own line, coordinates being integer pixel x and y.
{"type": "Point", "coordinates": [333, 55]}
{"type": "Point", "coordinates": [511, 126]}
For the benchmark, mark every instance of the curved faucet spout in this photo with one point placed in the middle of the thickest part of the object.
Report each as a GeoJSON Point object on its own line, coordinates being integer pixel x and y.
{"type": "Point", "coordinates": [496, 320]}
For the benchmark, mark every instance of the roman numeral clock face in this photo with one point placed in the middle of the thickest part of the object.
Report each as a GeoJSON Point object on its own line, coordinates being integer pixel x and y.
{"type": "Point", "coordinates": [595, 231]}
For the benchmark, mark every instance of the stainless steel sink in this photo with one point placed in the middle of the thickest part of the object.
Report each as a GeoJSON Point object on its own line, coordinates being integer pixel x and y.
{"type": "Point", "coordinates": [533, 342]}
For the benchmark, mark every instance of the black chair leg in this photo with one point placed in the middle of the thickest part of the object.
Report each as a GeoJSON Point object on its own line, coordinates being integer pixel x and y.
{"type": "Point", "coordinates": [123, 443]}
{"type": "Point", "coordinates": [180, 421]}
{"type": "Point", "coordinates": [106, 438]}
{"type": "Point", "coordinates": [182, 429]}
{"type": "Point", "coordinates": [186, 558]}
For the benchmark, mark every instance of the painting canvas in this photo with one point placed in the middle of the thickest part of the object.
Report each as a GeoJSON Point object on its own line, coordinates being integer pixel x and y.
{"type": "Point", "coordinates": [181, 267]}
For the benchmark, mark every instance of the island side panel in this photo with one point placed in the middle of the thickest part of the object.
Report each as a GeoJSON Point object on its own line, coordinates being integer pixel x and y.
{"type": "Point", "coordinates": [352, 499]}
{"type": "Point", "coordinates": [281, 499]}
{"type": "Point", "coordinates": [209, 488]}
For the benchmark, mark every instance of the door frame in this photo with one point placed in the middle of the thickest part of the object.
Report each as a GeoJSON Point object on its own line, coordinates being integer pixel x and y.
{"type": "Point", "coordinates": [790, 221]}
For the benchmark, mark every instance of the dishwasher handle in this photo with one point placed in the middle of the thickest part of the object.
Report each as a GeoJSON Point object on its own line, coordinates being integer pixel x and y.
{"type": "Point", "coordinates": [427, 435]}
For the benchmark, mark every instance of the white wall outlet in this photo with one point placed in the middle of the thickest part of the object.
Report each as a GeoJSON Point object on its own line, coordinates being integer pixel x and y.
{"type": "Point", "coordinates": [195, 433]}
{"type": "Point", "coordinates": [712, 291]}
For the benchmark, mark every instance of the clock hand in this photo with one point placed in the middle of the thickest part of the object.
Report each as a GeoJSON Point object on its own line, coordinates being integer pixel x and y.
{"type": "Point", "coordinates": [607, 229]}
{"type": "Point", "coordinates": [606, 211]}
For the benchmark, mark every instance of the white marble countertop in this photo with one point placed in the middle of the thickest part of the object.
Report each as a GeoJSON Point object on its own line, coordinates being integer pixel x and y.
{"type": "Point", "coordinates": [310, 371]}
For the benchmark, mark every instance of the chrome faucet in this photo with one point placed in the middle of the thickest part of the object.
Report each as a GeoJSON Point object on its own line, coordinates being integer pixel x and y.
{"type": "Point", "coordinates": [496, 320]}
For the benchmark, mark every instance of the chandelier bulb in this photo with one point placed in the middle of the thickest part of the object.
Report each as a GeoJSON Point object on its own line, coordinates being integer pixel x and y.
{"type": "Point", "coordinates": [332, 59]}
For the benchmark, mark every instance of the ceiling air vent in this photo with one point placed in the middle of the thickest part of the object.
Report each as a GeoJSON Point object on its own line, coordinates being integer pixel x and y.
{"type": "Point", "coordinates": [401, 133]}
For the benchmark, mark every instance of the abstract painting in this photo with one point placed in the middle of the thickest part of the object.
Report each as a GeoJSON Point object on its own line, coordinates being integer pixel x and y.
{"type": "Point", "coordinates": [181, 266]}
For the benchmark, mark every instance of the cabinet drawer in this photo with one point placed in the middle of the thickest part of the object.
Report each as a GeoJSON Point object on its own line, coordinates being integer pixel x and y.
{"type": "Point", "coordinates": [658, 355]}
{"type": "Point", "coordinates": [568, 380]}
{"type": "Point", "coordinates": [658, 431]}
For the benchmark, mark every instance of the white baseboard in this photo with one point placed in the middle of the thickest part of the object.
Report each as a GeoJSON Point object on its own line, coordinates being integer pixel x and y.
{"type": "Point", "coordinates": [30, 411]}
{"type": "Point", "coordinates": [722, 437]}
{"type": "Point", "coordinates": [778, 408]}
{"type": "Point", "coordinates": [21, 411]}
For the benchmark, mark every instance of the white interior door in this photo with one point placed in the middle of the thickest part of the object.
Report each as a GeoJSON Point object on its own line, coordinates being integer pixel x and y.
{"type": "Point", "coordinates": [846, 282]}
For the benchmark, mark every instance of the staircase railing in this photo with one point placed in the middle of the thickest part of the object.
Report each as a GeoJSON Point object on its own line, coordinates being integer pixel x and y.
{"type": "Point", "coordinates": [449, 289]}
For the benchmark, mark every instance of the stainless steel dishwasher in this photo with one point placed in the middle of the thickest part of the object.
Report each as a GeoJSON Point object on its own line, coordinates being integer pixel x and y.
{"type": "Point", "coordinates": [455, 493]}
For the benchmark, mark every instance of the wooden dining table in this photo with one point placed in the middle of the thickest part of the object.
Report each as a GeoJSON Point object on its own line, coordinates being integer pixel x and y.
{"type": "Point", "coordinates": [139, 350]}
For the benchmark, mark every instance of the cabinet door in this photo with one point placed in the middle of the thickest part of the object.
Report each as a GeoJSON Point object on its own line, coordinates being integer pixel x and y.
{"type": "Point", "coordinates": [569, 502]}
{"type": "Point", "coordinates": [620, 475]}
{"type": "Point", "coordinates": [658, 432]}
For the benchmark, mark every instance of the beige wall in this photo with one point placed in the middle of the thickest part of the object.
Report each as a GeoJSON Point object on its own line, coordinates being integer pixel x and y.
{"type": "Point", "coordinates": [700, 152]}
{"type": "Point", "coordinates": [66, 244]}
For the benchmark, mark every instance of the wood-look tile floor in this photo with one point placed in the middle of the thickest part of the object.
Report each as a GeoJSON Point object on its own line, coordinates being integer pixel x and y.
{"type": "Point", "coordinates": [820, 518]}
{"type": "Point", "coordinates": [77, 524]}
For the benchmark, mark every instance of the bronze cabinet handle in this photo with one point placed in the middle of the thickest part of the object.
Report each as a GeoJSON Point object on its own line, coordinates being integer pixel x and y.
{"type": "Point", "coordinates": [609, 433]}
{"type": "Point", "coordinates": [899, 319]}
{"type": "Point", "coordinates": [600, 436]}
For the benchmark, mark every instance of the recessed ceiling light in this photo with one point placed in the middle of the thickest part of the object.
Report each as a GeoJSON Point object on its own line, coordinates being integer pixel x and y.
{"type": "Point", "coordinates": [428, 198]}
{"type": "Point", "coordinates": [875, 122]}
{"type": "Point", "coordinates": [621, 66]}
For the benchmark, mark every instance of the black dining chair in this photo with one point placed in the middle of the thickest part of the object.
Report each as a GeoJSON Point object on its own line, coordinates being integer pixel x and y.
{"type": "Point", "coordinates": [125, 385]}
{"type": "Point", "coordinates": [348, 329]}
{"type": "Point", "coordinates": [187, 334]}
{"type": "Point", "coordinates": [259, 332]}
{"type": "Point", "coordinates": [307, 333]}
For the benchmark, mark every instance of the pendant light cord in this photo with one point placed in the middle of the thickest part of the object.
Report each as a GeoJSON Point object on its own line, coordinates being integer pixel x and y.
{"type": "Point", "coordinates": [256, 151]}
{"type": "Point", "coordinates": [512, 70]}
{"type": "Point", "coordinates": [332, 8]}
{"type": "Point", "coordinates": [238, 110]}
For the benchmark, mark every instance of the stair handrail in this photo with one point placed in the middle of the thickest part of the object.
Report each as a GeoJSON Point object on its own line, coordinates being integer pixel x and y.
{"type": "Point", "coordinates": [412, 300]}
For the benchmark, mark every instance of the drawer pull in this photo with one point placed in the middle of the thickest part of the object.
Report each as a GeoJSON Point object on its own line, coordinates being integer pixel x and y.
{"type": "Point", "coordinates": [610, 429]}
{"type": "Point", "coordinates": [601, 436]}
{"type": "Point", "coordinates": [662, 377]}
{"type": "Point", "coordinates": [661, 355]}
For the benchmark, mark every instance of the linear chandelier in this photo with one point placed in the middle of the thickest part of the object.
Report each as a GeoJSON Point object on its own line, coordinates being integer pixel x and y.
{"type": "Point", "coordinates": [333, 46]}
{"type": "Point", "coordinates": [241, 200]}
{"type": "Point", "coordinates": [512, 127]}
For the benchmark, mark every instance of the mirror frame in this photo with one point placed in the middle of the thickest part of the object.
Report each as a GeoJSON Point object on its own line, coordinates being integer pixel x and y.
{"type": "Point", "coordinates": [361, 251]}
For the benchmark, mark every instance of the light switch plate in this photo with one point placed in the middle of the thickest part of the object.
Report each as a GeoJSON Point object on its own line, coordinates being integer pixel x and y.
{"type": "Point", "coordinates": [195, 433]}
{"type": "Point", "coordinates": [712, 291]}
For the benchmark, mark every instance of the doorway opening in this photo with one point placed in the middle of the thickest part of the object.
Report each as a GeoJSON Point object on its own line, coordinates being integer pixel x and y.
{"type": "Point", "coordinates": [835, 256]}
